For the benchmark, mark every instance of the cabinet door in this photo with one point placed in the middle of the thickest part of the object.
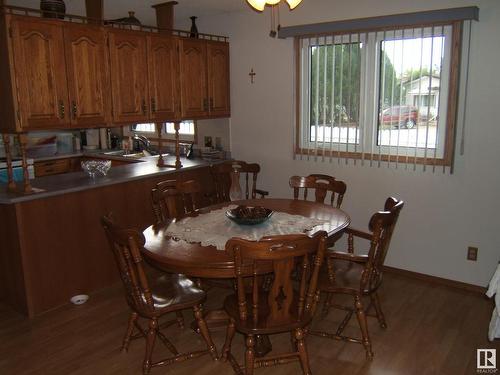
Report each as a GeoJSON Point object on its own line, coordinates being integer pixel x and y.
{"type": "Point", "coordinates": [129, 76]}
{"type": "Point", "coordinates": [218, 79]}
{"type": "Point", "coordinates": [163, 58]}
{"type": "Point", "coordinates": [40, 73]}
{"type": "Point", "coordinates": [88, 78]}
{"type": "Point", "coordinates": [193, 59]}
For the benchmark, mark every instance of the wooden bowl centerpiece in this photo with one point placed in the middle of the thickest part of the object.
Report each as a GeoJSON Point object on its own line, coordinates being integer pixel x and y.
{"type": "Point", "coordinates": [246, 215]}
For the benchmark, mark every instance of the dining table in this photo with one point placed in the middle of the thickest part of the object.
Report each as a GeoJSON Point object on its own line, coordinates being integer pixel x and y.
{"type": "Point", "coordinates": [196, 260]}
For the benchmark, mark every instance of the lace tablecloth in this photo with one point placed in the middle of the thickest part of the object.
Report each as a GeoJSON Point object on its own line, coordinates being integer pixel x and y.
{"type": "Point", "coordinates": [215, 228]}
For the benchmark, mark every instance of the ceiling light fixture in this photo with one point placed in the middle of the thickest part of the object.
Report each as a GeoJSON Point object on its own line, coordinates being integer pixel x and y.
{"type": "Point", "coordinates": [261, 4]}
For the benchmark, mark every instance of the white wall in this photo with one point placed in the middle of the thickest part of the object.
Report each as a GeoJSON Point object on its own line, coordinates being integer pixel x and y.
{"type": "Point", "coordinates": [444, 213]}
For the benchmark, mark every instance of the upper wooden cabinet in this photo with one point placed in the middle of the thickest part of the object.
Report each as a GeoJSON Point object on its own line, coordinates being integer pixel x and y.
{"type": "Point", "coordinates": [58, 74]}
{"type": "Point", "coordinates": [129, 76]}
{"type": "Point", "coordinates": [39, 71]}
{"type": "Point", "coordinates": [164, 83]}
{"type": "Point", "coordinates": [204, 78]}
{"type": "Point", "coordinates": [193, 63]}
{"type": "Point", "coordinates": [144, 77]}
{"type": "Point", "coordinates": [87, 73]}
{"type": "Point", "coordinates": [218, 79]}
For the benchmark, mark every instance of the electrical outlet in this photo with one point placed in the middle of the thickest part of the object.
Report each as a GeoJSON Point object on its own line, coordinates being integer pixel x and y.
{"type": "Point", "coordinates": [472, 253]}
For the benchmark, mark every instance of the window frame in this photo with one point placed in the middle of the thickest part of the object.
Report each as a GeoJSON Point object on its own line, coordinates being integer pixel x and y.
{"type": "Point", "coordinates": [448, 141]}
{"type": "Point", "coordinates": [169, 137]}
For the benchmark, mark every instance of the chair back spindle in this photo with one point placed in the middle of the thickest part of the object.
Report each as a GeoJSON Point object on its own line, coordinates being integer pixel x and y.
{"type": "Point", "coordinates": [283, 304]}
{"type": "Point", "coordinates": [175, 199]}
{"type": "Point", "coordinates": [322, 186]}
{"type": "Point", "coordinates": [221, 174]}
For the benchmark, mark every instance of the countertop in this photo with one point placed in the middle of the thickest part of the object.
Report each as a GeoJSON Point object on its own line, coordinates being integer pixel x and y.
{"type": "Point", "coordinates": [78, 181]}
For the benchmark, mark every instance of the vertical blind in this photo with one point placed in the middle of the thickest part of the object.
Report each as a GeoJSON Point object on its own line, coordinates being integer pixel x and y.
{"type": "Point", "coordinates": [383, 97]}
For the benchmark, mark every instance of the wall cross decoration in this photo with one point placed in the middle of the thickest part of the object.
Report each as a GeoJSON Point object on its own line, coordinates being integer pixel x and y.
{"type": "Point", "coordinates": [252, 76]}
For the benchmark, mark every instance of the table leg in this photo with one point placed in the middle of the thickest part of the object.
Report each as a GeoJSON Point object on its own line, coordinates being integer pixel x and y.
{"type": "Point", "coordinates": [214, 319]}
{"type": "Point", "coordinates": [262, 345]}
{"type": "Point", "coordinates": [219, 319]}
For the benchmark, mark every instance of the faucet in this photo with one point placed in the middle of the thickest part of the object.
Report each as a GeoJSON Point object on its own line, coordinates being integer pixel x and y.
{"type": "Point", "coordinates": [146, 143]}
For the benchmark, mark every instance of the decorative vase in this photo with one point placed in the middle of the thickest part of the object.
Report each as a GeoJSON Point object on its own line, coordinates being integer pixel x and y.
{"type": "Point", "coordinates": [235, 193]}
{"type": "Point", "coordinates": [53, 8]}
{"type": "Point", "coordinates": [194, 29]}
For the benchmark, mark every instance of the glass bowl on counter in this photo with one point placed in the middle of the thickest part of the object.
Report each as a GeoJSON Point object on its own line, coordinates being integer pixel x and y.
{"type": "Point", "coordinates": [96, 167]}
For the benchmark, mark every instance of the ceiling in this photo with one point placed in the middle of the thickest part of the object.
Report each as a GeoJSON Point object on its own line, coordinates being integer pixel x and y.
{"type": "Point", "coordinates": [200, 8]}
{"type": "Point", "coordinates": [144, 12]}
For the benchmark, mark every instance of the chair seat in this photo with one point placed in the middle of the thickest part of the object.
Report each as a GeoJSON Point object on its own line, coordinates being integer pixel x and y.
{"type": "Point", "coordinates": [347, 277]}
{"type": "Point", "coordinates": [266, 323]}
{"type": "Point", "coordinates": [174, 292]}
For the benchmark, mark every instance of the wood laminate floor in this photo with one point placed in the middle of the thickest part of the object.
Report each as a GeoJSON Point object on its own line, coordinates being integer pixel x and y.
{"type": "Point", "coordinates": [432, 329]}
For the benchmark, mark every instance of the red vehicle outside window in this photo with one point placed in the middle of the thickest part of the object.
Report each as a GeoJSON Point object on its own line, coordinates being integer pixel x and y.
{"type": "Point", "coordinates": [404, 116]}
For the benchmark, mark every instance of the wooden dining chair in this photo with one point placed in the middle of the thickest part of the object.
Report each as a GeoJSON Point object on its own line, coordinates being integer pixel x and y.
{"type": "Point", "coordinates": [221, 174]}
{"type": "Point", "coordinates": [278, 308]}
{"type": "Point", "coordinates": [174, 199]}
{"type": "Point", "coordinates": [360, 275]}
{"type": "Point", "coordinates": [169, 293]}
{"type": "Point", "coordinates": [322, 185]}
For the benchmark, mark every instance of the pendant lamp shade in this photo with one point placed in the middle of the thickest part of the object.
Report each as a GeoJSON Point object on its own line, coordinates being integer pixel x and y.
{"type": "Point", "coordinates": [261, 4]}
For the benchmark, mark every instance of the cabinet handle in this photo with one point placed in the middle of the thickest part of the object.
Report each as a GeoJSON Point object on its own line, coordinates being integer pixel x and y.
{"type": "Point", "coordinates": [153, 105]}
{"type": "Point", "coordinates": [205, 104]}
{"type": "Point", "coordinates": [61, 109]}
{"type": "Point", "coordinates": [74, 109]}
{"type": "Point", "coordinates": [144, 108]}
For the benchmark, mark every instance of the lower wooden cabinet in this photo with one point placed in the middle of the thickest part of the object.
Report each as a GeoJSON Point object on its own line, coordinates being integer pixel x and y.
{"type": "Point", "coordinates": [54, 247]}
{"type": "Point", "coordinates": [70, 164]}
{"type": "Point", "coordinates": [51, 167]}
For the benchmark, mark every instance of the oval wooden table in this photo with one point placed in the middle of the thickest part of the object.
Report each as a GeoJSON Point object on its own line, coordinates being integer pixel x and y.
{"type": "Point", "coordinates": [195, 260]}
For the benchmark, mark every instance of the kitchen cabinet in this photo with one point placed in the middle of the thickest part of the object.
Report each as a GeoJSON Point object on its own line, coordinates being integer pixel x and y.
{"type": "Point", "coordinates": [145, 77]}
{"type": "Point", "coordinates": [87, 75]}
{"type": "Point", "coordinates": [49, 253]}
{"type": "Point", "coordinates": [39, 70]}
{"type": "Point", "coordinates": [57, 72]}
{"type": "Point", "coordinates": [218, 79]}
{"type": "Point", "coordinates": [52, 167]}
{"type": "Point", "coordinates": [164, 83]}
{"type": "Point", "coordinates": [193, 63]}
{"type": "Point", "coordinates": [129, 76]}
{"type": "Point", "coordinates": [204, 78]}
{"type": "Point", "coordinates": [71, 164]}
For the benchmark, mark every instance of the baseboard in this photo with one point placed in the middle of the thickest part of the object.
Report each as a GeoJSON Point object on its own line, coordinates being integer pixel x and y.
{"type": "Point", "coordinates": [437, 280]}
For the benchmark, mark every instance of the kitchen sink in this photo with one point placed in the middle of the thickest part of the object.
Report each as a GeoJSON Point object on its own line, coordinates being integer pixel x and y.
{"type": "Point", "coordinates": [122, 153]}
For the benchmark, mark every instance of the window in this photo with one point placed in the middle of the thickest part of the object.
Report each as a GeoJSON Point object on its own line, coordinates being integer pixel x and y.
{"type": "Point", "coordinates": [380, 95]}
{"type": "Point", "coordinates": [186, 128]}
{"type": "Point", "coordinates": [144, 128]}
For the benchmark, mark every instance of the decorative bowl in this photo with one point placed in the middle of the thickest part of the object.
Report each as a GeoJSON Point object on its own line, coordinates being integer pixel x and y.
{"type": "Point", "coordinates": [245, 215]}
{"type": "Point", "coordinates": [96, 167]}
